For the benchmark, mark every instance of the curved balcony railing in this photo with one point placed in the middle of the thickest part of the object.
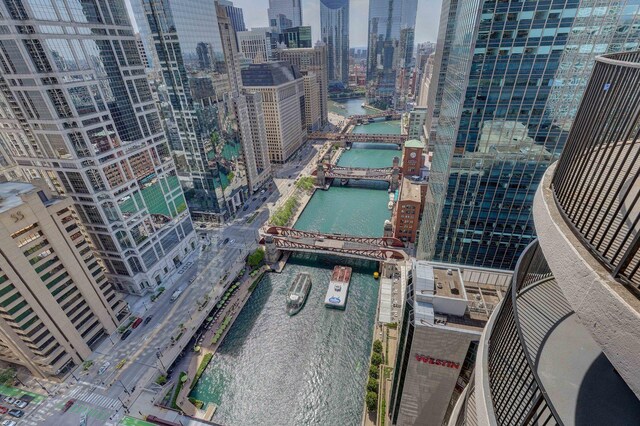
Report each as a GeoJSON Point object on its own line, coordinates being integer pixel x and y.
{"type": "Point", "coordinates": [597, 179]}
{"type": "Point", "coordinates": [517, 394]}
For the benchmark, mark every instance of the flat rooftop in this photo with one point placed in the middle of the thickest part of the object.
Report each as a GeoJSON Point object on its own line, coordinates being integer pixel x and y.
{"type": "Point", "coordinates": [410, 191]}
{"type": "Point", "coordinates": [449, 283]}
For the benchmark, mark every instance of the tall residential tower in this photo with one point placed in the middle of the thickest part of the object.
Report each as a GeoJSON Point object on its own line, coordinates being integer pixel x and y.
{"type": "Point", "coordinates": [515, 75]}
{"type": "Point", "coordinates": [80, 111]}
{"type": "Point", "coordinates": [334, 29]}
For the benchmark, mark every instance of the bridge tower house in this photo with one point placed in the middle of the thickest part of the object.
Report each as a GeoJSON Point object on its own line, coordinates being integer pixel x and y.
{"type": "Point", "coordinates": [395, 178]}
{"type": "Point", "coordinates": [272, 253]}
{"type": "Point", "coordinates": [320, 176]}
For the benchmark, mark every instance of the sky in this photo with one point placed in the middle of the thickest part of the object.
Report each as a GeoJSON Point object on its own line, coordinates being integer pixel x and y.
{"type": "Point", "coordinates": [255, 15]}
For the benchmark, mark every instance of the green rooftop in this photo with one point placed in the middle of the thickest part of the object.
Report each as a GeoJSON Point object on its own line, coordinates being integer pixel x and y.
{"type": "Point", "coordinates": [413, 143]}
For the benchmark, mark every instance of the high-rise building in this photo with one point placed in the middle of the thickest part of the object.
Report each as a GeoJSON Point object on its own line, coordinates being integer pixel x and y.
{"type": "Point", "coordinates": [296, 37]}
{"type": "Point", "coordinates": [391, 33]}
{"type": "Point", "coordinates": [415, 126]}
{"type": "Point", "coordinates": [444, 313]}
{"type": "Point", "coordinates": [284, 14]}
{"type": "Point", "coordinates": [235, 15]}
{"type": "Point", "coordinates": [142, 51]}
{"type": "Point", "coordinates": [87, 120]}
{"type": "Point", "coordinates": [257, 44]}
{"type": "Point", "coordinates": [334, 30]}
{"type": "Point", "coordinates": [248, 118]}
{"type": "Point", "coordinates": [207, 155]}
{"type": "Point", "coordinates": [562, 347]}
{"type": "Point", "coordinates": [56, 302]}
{"type": "Point", "coordinates": [515, 74]}
{"type": "Point", "coordinates": [312, 61]}
{"type": "Point", "coordinates": [423, 86]}
{"type": "Point", "coordinates": [282, 87]}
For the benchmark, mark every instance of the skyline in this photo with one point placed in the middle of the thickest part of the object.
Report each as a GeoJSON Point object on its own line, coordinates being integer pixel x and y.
{"type": "Point", "coordinates": [255, 15]}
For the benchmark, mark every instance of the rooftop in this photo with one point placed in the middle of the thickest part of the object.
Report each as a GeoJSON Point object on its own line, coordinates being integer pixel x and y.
{"type": "Point", "coordinates": [269, 74]}
{"type": "Point", "coordinates": [410, 191]}
{"type": "Point", "coordinates": [10, 193]}
{"type": "Point", "coordinates": [414, 143]}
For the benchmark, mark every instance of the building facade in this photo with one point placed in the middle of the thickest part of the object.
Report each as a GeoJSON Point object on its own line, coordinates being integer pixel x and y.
{"type": "Point", "coordinates": [312, 61]}
{"type": "Point", "coordinates": [235, 15]}
{"type": "Point", "coordinates": [575, 358]}
{"type": "Point", "coordinates": [390, 49]}
{"type": "Point", "coordinates": [283, 103]}
{"type": "Point", "coordinates": [257, 44]}
{"type": "Point", "coordinates": [296, 37]}
{"type": "Point", "coordinates": [515, 74]}
{"type": "Point", "coordinates": [417, 120]}
{"type": "Point", "coordinates": [334, 30]}
{"type": "Point", "coordinates": [82, 114]}
{"type": "Point", "coordinates": [56, 301]}
{"type": "Point", "coordinates": [189, 53]}
{"type": "Point", "coordinates": [284, 14]}
{"type": "Point", "coordinates": [443, 317]}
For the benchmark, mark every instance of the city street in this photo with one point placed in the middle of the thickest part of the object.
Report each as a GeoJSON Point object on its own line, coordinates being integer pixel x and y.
{"type": "Point", "coordinates": [122, 368]}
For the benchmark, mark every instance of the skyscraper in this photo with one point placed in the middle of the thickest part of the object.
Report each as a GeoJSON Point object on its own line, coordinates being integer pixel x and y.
{"type": "Point", "coordinates": [82, 113]}
{"type": "Point", "coordinates": [501, 112]}
{"type": "Point", "coordinates": [334, 30]}
{"type": "Point", "coordinates": [391, 33]}
{"type": "Point", "coordinates": [550, 355]}
{"type": "Point", "coordinates": [235, 15]}
{"type": "Point", "coordinates": [296, 37]}
{"type": "Point", "coordinates": [207, 155]}
{"type": "Point", "coordinates": [56, 302]}
{"type": "Point", "coordinates": [284, 14]}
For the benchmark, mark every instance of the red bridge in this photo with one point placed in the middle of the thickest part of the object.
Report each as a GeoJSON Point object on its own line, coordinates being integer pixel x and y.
{"type": "Point", "coordinates": [359, 137]}
{"type": "Point", "coordinates": [357, 173]}
{"type": "Point", "coordinates": [372, 248]}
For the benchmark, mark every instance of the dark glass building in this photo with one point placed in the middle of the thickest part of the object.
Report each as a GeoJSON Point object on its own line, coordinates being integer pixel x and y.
{"type": "Point", "coordinates": [334, 29]}
{"type": "Point", "coordinates": [515, 74]}
{"type": "Point", "coordinates": [296, 37]}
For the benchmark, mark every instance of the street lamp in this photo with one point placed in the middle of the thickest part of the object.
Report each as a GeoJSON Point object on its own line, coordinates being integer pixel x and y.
{"type": "Point", "coordinates": [125, 388]}
{"type": "Point", "coordinates": [158, 355]}
{"type": "Point", "coordinates": [126, 409]}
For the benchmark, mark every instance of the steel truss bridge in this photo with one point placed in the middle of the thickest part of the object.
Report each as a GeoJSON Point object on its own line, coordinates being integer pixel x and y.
{"type": "Point", "coordinates": [357, 173]}
{"type": "Point", "coordinates": [370, 248]}
{"type": "Point", "coordinates": [359, 137]}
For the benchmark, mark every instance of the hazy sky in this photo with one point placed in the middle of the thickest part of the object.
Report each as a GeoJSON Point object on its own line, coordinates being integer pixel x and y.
{"type": "Point", "coordinates": [255, 15]}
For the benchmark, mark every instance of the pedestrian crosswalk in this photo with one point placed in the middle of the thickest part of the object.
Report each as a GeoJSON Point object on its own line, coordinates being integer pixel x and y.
{"type": "Point", "coordinates": [91, 397]}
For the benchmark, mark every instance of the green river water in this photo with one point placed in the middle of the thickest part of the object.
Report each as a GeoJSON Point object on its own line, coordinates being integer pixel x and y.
{"type": "Point", "coordinates": [309, 369]}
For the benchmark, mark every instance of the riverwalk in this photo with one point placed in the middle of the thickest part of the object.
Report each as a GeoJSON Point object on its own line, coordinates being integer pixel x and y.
{"type": "Point", "coordinates": [209, 345]}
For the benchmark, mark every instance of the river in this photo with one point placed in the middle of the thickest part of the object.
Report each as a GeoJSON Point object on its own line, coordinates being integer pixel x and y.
{"type": "Point", "coordinates": [309, 369]}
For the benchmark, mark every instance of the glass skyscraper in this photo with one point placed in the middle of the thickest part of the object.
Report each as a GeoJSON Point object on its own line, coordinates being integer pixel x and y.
{"type": "Point", "coordinates": [193, 90]}
{"type": "Point", "coordinates": [334, 25]}
{"type": "Point", "coordinates": [515, 74]}
{"type": "Point", "coordinates": [391, 31]}
{"type": "Point", "coordinates": [284, 14]}
{"type": "Point", "coordinates": [77, 108]}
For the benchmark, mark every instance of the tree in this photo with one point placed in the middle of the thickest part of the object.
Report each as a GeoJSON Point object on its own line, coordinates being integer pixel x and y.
{"type": "Point", "coordinates": [372, 385]}
{"type": "Point", "coordinates": [376, 359]}
{"type": "Point", "coordinates": [377, 346]}
{"type": "Point", "coordinates": [373, 371]}
{"type": "Point", "coordinates": [7, 375]}
{"type": "Point", "coordinates": [372, 401]}
{"type": "Point", "coordinates": [256, 258]}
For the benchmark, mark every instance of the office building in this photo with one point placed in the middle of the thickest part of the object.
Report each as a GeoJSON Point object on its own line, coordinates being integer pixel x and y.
{"type": "Point", "coordinates": [390, 49]}
{"type": "Point", "coordinates": [284, 14]}
{"type": "Point", "coordinates": [89, 124]}
{"type": "Point", "coordinates": [312, 61]}
{"type": "Point", "coordinates": [56, 301]}
{"type": "Point", "coordinates": [516, 72]}
{"type": "Point", "coordinates": [334, 30]}
{"type": "Point", "coordinates": [247, 118]}
{"type": "Point", "coordinates": [417, 119]}
{"type": "Point", "coordinates": [444, 313]}
{"type": "Point", "coordinates": [282, 87]}
{"type": "Point", "coordinates": [296, 37]}
{"type": "Point", "coordinates": [422, 90]}
{"type": "Point", "coordinates": [550, 355]}
{"type": "Point", "coordinates": [142, 52]}
{"type": "Point", "coordinates": [235, 15]}
{"type": "Point", "coordinates": [257, 44]}
{"type": "Point", "coordinates": [197, 138]}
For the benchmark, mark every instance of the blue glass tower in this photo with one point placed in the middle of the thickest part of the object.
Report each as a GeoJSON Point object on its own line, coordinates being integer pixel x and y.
{"type": "Point", "coordinates": [515, 74]}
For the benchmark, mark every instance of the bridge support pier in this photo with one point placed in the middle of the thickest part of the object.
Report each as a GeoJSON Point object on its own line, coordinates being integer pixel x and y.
{"type": "Point", "coordinates": [321, 180]}
{"type": "Point", "coordinates": [272, 253]}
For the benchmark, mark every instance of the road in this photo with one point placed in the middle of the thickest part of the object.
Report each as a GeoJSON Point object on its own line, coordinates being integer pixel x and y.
{"type": "Point", "coordinates": [104, 396]}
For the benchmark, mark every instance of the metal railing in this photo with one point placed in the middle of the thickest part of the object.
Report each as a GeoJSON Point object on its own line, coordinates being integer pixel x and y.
{"type": "Point", "coordinates": [517, 394]}
{"type": "Point", "coordinates": [596, 184]}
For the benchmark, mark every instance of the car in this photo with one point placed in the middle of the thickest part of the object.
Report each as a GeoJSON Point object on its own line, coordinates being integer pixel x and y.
{"type": "Point", "coordinates": [125, 335]}
{"type": "Point", "coordinates": [104, 368]}
{"type": "Point", "coordinates": [264, 199]}
{"type": "Point", "coordinates": [16, 413]}
{"type": "Point", "coordinates": [147, 319]}
{"type": "Point", "coordinates": [9, 423]}
{"type": "Point", "coordinates": [9, 399]}
{"type": "Point", "coordinates": [21, 404]}
{"type": "Point", "coordinates": [226, 240]}
{"type": "Point", "coordinates": [3, 410]}
{"type": "Point", "coordinates": [136, 323]}
{"type": "Point", "coordinates": [245, 208]}
{"type": "Point", "coordinates": [203, 226]}
{"type": "Point", "coordinates": [290, 176]}
{"type": "Point", "coordinates": [68, 405]}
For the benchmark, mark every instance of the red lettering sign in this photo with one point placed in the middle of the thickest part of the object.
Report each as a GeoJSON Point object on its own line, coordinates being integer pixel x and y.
{"type": "Point", "coordinates": [442, 362]}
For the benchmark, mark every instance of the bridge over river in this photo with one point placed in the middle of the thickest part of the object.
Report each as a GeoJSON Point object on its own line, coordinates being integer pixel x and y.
{"type": "Point", "coordinates": [325, 170]}
{"type": "Point", "coordinates": [277, 239]}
